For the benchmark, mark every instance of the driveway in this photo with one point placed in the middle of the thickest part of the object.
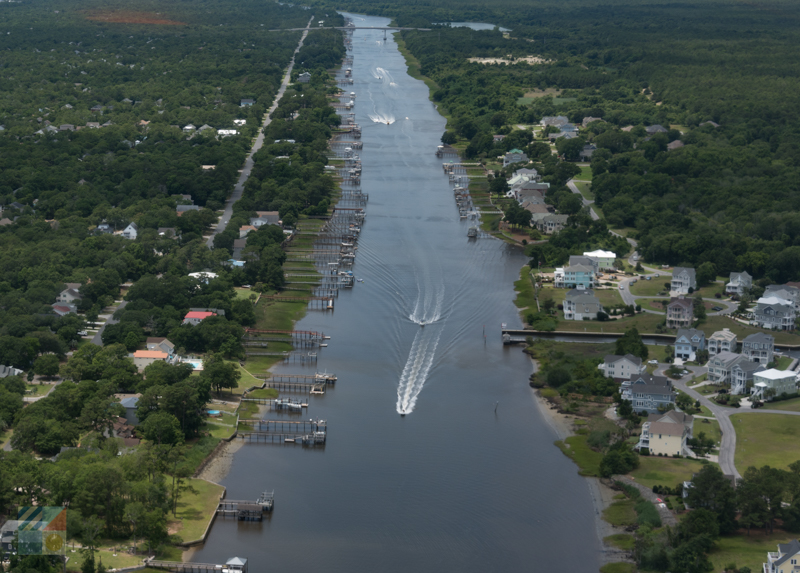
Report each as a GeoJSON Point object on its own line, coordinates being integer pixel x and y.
{"type": "Point", "coordinates": [98, 338]}
{"type": "Point", "coordinates": [586, 202]}
{"type": "Point", "coordinates": [628, 298]}
{"type": "Point", "coordinates": [238, 189]}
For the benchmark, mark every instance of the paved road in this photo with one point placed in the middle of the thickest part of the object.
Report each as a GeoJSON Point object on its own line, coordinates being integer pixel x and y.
{"type": "Point", "coordinates": [97, 338]}
{"type": "Point", "coordinates": [586, 202]}
{"type": "Point", "coordinates": [727, 449]}
{"type": "Point", "coordinates": [248, 164]}
{"type": "Point", "coordinates": [628, 298]}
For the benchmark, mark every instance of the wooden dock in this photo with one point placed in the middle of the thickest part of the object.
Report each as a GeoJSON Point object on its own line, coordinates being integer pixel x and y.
{"type": "Point", "coordinates": [306, 432]}
{"type": "Point", "coordinates": [247, 510]}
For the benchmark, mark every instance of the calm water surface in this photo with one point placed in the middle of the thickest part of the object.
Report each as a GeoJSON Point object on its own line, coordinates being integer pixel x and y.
{"type": "Point", "coordinates": [453, 485]}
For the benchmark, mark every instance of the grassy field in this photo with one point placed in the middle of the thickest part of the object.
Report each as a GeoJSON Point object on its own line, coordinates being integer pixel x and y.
{"type": "Point", "coordinates": [766, 439]}
{"type": "Point", "coordinates": [608, 297]}
{"type": "Point", "coordinates": [620, 567]}
{"type": "Point", "coordinates": [656, 304]}
{"type": "Point", "coordinates": [195, 509]}
{"type": "Point", "coordinates": [576, 448]}
{"type": "Point", "coordinates": [653, 287]}
{"type": "Point", "coordinates": [645, 322]}
{"type": "Point", "coordinates": [272, 315]}
{"type": "Point", "coordinates": [791, 405]}
{"type": "Point", "coordinates": [244, 293]}
{"type": "Point", "coordinates": [710, 427]}
{"type": "Point", "coordinates": [656, 352]}
{"type": "Point", "coordinates": [112, 561]}
{"type": "Point", "coordinates": [622, 541]}
{"type": "Point", "coordinates": [783, 362]}
{"type": "Point", "coordinates": [654, 470]}
{"type": "Point", "coordinates": [746, 551]}
{"type": "Point", "coordinates": [714, 323]}
{"type": "Point", "coordinates": [585, 189]}
{"type": "Point", "coordinates": [585, 174]}
{"type": "Point", "coordinates": [524, 287]}
{"type": "Point", "coordinates": [582, 349]}
{"type": "Point", "coordinates": [621, 513]}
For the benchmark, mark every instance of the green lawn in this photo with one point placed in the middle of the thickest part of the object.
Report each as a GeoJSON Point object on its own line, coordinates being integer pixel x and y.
{"type": "Point", "coordinates": [782, 363]}
{"type": "Point", "coordinates": [585, 189]}
{"type": "Point", "coordinates": [585, 174]}
{"type": "Point", "coordinates": [263, 393]}
{"type": "Point", "coordinates": [217, 431]}
{"type": "Point", "coordinates": [714, 323]}
{"type": "Point", "coordinates": [621, 513]}
{"type": "Point", "coordinates": [710, 427]}
{"type": "Point", "coordinates": [655, 470]}
{"type": "Point", "coordinates": [272, 315]}
{"type": "Point", "coordinates": [608, 297]}
{"type": "Point", "coordinates": [195, 509]}
{"type": "Point", "coordinates": [746, 551]}
{"type": "Point", "coordinates": [620, 567]}
{"type": "Point", "coordinates": [244, 293]}
{"type": "Point", "coordinates": [653, 287]}
{"type": "Point", "coordinates": [623, 541]}
{"type": "Point", "coordinates": [576, 448]}
{"type": "Point", "coordinates": [656, 304]}
{"type": "Point", "coordinates": [645, 322]}
{"type": "Point", "coordinates": [766, 439]}
{"type": "Point", "coordinates": [524, 287]}
{"type": "Point", "coordinates": [122, 559]}
{"type": "Point", "coordinates": [792, 405]}
{"type": "Point", "coordinates": [38, 389]}
{"type": "Point", "coordinates": [656, 352]}
{"type": "Point", "coordinates": [543, 347]}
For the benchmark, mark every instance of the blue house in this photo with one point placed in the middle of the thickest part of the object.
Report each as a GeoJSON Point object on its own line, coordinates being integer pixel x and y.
{"type": "Point", "coordinates": [688, 341]}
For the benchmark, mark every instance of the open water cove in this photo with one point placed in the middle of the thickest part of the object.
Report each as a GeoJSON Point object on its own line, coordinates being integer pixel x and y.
{"type": "Point", "coordinates": [453, 485]}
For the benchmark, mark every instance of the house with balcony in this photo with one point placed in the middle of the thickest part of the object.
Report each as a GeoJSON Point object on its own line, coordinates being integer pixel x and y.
{"type": "Point", "coordinates": [787, 292]}
{"type": "Point", "coordinates": [70, 295]}
{"type": "Point", "coordinates": [785, 560]}
{"type": "Point", "coordinates": [759, 347]}
{"type": "Point", "coordinates": [514, 156]}
{"type": "Point", "coordinates": [771, 383]}
{"type": "Point", "coordinates": [719, 367]}
{"type": "Point", "coordinates": [739, 283]}
{"type": "Point", "coordinates": [666, 434]}
{"type": "Point", "coordinates": [680, 312]}
{"type": "Point", "coordinates": [775, 313]}
{"type": "Point", "coordinates": [722, 341]}
{"type": "Point", "coordinates": [583, 260]}
{"type": "Point", "coordinates": [551, 224]}
{"type": "Point", "coordinates": [651, 394]}
{"type": "Point", "coordinates": [683, 279]}
{"type": "Point", "coordinates": [622, 367]}
{"type": "Point", "coordinates": [581, 304]}
{"type": "Point", "coordinates": [579, 276]}
{"type": "Point", "coordinates": [161, 344]}
{"type": "Point", "coordinates": [688, 341]}
{"type": "Point", "coordinates": [604, 259]}
{"type": "Point", "coordinates": [742, 373]}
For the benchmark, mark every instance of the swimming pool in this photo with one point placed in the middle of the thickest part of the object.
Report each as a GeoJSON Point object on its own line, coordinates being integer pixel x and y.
{"type": "Point", "coordinates": [197, 364]}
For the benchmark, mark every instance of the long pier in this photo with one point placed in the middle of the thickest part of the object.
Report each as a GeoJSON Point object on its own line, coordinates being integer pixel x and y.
{"type": "Point", "coordinates": [247, 510]}
{"type": "Point", "coordinates": [306, 432]}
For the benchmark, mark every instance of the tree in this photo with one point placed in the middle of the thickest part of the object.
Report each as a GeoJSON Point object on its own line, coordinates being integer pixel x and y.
{"type": "Point", "coordinates": [699, 522]}
{"type": "Point", "coordinates": [46, 365]}
{"type": "Point", "coordinates": [570, 149]}
{"type": "Point", "coordinates": [706, 274]}
{"type": "Point", "coordinates": [713, 491]}
{"type": "Point", "coordinates": [631, 343]}
{"type": "Point", "coordinates": [134, 513]}
{"type": "Point", "coordinates": [162, 428]}
{"type": "Point", "coordinates": [699, 307]}
{"type": "Point", "coordinates": [449, 138]}
{"type": "Point", "coordinates": [220, 374]}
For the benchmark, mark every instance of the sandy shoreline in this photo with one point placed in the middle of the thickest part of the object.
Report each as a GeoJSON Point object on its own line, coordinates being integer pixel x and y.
{"type": "Point", "coordinates": [602, 495]}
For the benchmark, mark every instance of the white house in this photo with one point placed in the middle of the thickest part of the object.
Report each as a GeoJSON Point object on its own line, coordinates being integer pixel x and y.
{"type": "Point", "coordinates": [739, 283]}
{"type": "Point", "coordinates": [683, 279]}
{"type": "Point", "coordinates": [70, 295]}
{"type": "Point", "coordinates": [741, 376]}
{"type": "Point", "coordinates": [688, 341]}
{"type": "Point", "coordinates": [605, 259]}
{"type": "Point", "coordinates": [144, 358]}
{"type": "Point", "coordinates": [775, 313]}
{"type": "Point", "coordinates": [786, 292]}
{"type": "Point", "coordinates": [131, 231]}
{"type": "Point", "coordinates": [304, 78]}
{"type": "Point", "coordinates": [722, 341]}
{"type": "Point", "coordinates": [624, 367]}
{"type": "Point", "coordinates": [773, 382]}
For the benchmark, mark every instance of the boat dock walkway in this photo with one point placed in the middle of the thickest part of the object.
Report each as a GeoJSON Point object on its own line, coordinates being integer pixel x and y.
{"type": "Point", "coordinates": [247, 510]}
{"type": "Point", "coordinates": [306, 432]}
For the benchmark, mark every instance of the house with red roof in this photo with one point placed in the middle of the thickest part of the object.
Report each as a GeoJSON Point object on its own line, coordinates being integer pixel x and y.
{"type": "Point", "coordinates": [195, 317]}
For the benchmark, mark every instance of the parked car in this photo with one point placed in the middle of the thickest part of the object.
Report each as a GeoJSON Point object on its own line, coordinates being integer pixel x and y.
{"type": "Point", "coordinates": [716, 308]}
{"type": "Point", "coordinates": [621, 287]}
{"type": "Point", "coordinates": [652, 361]}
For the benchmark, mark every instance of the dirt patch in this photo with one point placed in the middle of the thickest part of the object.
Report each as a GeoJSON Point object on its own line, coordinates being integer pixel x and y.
{"type": "Point", "coordinates": [129, 17]}
{"type": "Point", "coordinates": [549, 92]}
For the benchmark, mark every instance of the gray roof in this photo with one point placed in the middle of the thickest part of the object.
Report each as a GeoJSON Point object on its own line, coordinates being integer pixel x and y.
{"type": "Point", "coordinates": [184, 208]}
{"type": "Point", "coordinates": [647, 384]}
{"type": "Point", "coordinates": [684, 302]}
{"type": "Point", "coordinates": [579, 269]}
{"type": "Point", "coordinates": [725, 357]}
{"type": "Point", "coordinates": [743, 274]}
{"type": "Point", "coordinates": [788, 550]}
{"type": "Point", "coordinates": [748, 366]}
{"type": "Point", "coordinates": [689, 333]}
{"type": "Point", "coordinates": [557, 218]}
{"type": "Point", "coordinates": [129, 402]}
{"type": "Point", "coordinates": [684, 270]}
{"type": "Point", "coordinates": [610, 358]}
{"type": "Point", "coordinates": [759, 337]}
{"type": "Point", "coordinates": [655, 129]}
{"type": "Point", "coordinates": [581, 260]}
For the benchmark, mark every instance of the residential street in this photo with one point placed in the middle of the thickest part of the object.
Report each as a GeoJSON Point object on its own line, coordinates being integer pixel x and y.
{"type": "Point", "coordinates": [586, 202]}
{"type": "Point", "coordinates": [629, 298]}
{"type": "Point", "coordinates": [248, 164]}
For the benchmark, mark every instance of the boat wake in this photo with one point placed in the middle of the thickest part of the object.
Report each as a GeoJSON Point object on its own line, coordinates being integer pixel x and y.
{"type": "Point", "coordinates": [386, 118]}
{"type": "Point", "coordinates": [415, 372]}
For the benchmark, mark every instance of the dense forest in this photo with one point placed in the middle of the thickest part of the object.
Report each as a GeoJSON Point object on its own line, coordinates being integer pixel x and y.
{"type": "Point", "coordinates": [728, 197]}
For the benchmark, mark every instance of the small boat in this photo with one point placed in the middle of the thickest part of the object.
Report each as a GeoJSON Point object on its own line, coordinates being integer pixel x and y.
{"type": "Point", "coordinates": [422, 324]}
{"type": "Point", "coordinates": [402, 414]}
{"type": "Point", "coordinates": [360, 280]}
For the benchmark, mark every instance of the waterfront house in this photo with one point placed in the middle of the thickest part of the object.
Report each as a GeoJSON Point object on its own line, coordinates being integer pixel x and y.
{"type": "Point", "coordinates": [785, 560]}
{"type": "Point", "coordinates": [581, 304]}
{"type": "Point", "coordinates": [529, 172]}
{"type": "Point", "coordinates": [131, 231]}
{"type": "Point", "coordinates": [758, 347]}
{"type": "Point", "coordinates": [530, 191]}
{"type": "Point", "coordinates": [144, 358]}
{"type": "Point", "coordinates": [651, 394]}
{"type": "Point", "coordinates": [787, 292]}
{"type": "Point", "coordinates": [579, 276]}
{"type": "Point", "coordinates": [680, 312]}
{"type": "Point", "coordinates": [196, 317]}
{"type": "Point", "coordinates": [551, 224]}
{"type": "Point", "coordinates": [741, 376]}
{"type": "Point", "coordinates": [666, 434]}
{"type": "Point", "coordinates": [774, 313]}
{"type": "Point", "coordinates": [583, 260]}
{"type": "Point", "coordinates": [604, 259]}
{"type": "Point", "coordinates": [688, 341]}
{"type": "Point", "coordinates": [514, 156]}
{"type": "Point", "coordinates": [622, 367]}
{"type": "Point", "coordinates": [683, 279]}
{"type": "Point", "coordinates": [722, 341]}
{"type": "Point", "coordinates": [772, 383]}
{"type": "Point", "coordinates": [720, 365]}
{"type": "Point", "coordinates": [739, 283]}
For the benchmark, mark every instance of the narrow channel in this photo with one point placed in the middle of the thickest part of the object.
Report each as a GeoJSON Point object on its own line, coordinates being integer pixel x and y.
{"type": "Point", "coordinates": [468, 479]}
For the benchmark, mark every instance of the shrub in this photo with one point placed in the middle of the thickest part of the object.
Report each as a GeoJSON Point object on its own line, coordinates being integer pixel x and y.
{"type": "Point", "coordinates": [647, 513]}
